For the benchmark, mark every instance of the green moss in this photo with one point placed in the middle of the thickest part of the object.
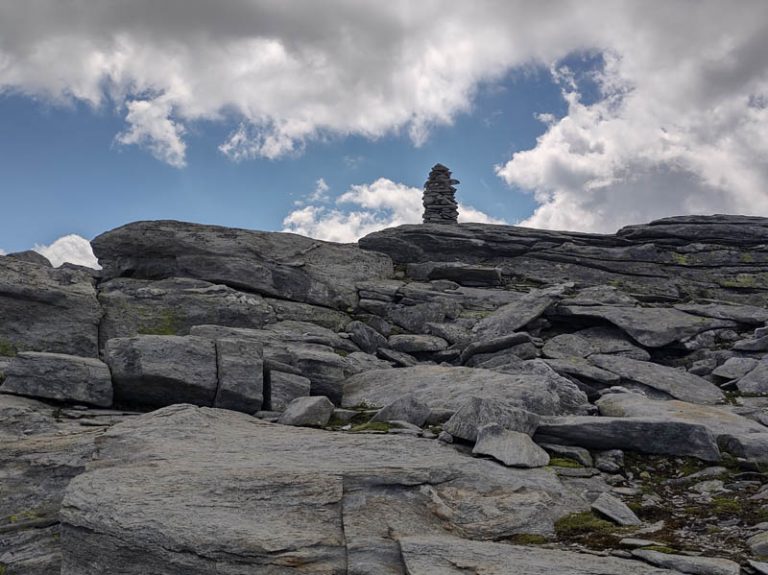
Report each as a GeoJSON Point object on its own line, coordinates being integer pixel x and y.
{"type": "Point", "coordinates": [341, 352]}
{"type": "Point", "coordinates": [746, 258]}
{"type": "Point", "coordinates": [744, 281]}
{"type": "Point", "coordinates": [169, 322]}
{"type": "Point", "coordinates": [660, 549]}
{"type": "Point", "coordinates": [581, 523]}
{"type": "Point", "coordinates": [372, 426]}
{"type": "Point", "coordinates": [528, 539]}
{"type": "Point", "coordinates": [680, 259]}
{"type": "Point", "coordinates": [563, 462]}
{"type": "Point", "coordinates": [23, 516]}
{"type": "Point", "coordinates": [3, 569]}
{"type": "Point", "coordinates": [7, 349]}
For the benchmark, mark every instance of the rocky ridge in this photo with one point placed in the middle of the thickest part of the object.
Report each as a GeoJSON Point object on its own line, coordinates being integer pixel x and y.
{"type": "Point", "coordinates": [436, 399]}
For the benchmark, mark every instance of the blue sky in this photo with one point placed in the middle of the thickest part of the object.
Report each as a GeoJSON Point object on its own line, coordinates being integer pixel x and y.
{"type": "Point", "coordinates": [326, 120]}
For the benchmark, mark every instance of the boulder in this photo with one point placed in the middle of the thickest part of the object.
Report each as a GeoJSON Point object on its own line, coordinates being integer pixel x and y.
{"type": "Point", "coordinates": [746, 314]}
{"type": "Point", "coordinates": [281, 265]}
{"type": "Point", "coordinates": [676, 383]}
{"type": "Point", "coordinates": [461, 273]}
{"type": "Point", "coordinates": [31, 256]}
{"type": "Point", "coordinates": [240, 375]}
{"type": "Point", "coordinates": [406, 408]}
{"type": "Point", "coordinates": [615, 510]}
{"type": "Point", "coordinates": [479, 411]}
{"type": "Point", "coordinates": [365, 337]}
{"type": "Point", "coordinates": [159, 370]}
{"type": "Point", "coordinates": [653, 435]}
{"type": "Point", "coordinates": [512, 448]}
{"type": "Point", "coordinates": [415, 343]}
{"type": "Point", "coordinates": [252, 496]}
{"type": "Point", "coordinates": [493, 345]}
{"type": "Point", "coordinates": [451, 387]}
{"type": "Point", "coordinates": [649, 326]}
{"type": "Point", "coordinates": [612, 341]}
{"type": "Point", "coordinates": [47, 309]}
{"type": "Point", "coordinates": [582, 369]}
{"type": "Point", "coordinates": [284, 387]}
{"type": "Point", "coordinates": [688, 564]}
{"type": "Point", "coordinates": [735, 367]}
{"type": "Point", "coordinates": [307, 412]}
{"type": "Point", "coordinates": [756, 381]}
{"type": "Point", "coordinates": [568, 346]}
{"type": "Point", "coordinates": [59, 377]}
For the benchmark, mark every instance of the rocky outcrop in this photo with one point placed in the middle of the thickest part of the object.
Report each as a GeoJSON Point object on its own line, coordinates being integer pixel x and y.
{"type": "Point", "coordinates": [285, 266]}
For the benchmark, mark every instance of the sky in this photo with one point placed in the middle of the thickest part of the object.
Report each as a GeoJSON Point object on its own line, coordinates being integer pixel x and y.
{"type": "Point", "coordinates": [324, 118]}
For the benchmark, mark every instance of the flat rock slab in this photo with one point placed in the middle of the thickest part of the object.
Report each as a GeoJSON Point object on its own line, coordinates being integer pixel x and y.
{"type": "Point", "coordinates": [251, 497]}
{"type": "Point", "coordinates": [649, 326]}
{"type": "Point", "coordinates": [281, 265]}
{"type": "Point", "coordinates": [159, 370]}
{"type": "Point", "coordinates": [60, 377]}
{"type": "Point", "coordinates": [654, 435]}
{"type": "Point", "coordinates": [479, 411]}
{"type": "Point", "coordinates": [679, 384]}
{"type": "Point", "coordinates": [686, 564]}
{"type": "Point", "coordinates": [735, 367]}
{"type": "Point", "coordinates": [756, 381]}
{"type": "Point", "coordinates": [416, 343]}
{"type": "Point", "coordinates": [240, 375]}
{"type": "Point", "coordinates": [615, 510]}
{"type": "Point", "coordinates": [746, 314]}
{"type": "Point", "coordinates": [512, 448]}
{"type": "Point", "coordinates": [406, 408]}
{"type": "Point", "coordinates": [446, 555]}
{"type": "Point", "coordinates": [451, 387]}
{"type": "Point", "coordinates": [48, 309]}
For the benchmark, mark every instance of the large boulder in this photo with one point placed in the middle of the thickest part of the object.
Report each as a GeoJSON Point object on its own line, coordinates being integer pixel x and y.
{"type": "Point", "coordinates": [451, 387]}
{"type": "Point", "coordinates": [159, 370]}
{"type": "Point", "coordinates": [239, 374]}
{"type": "Point", "coordinates": [250, 496]}
{"type": "Point", "coordinates": [60, 377]}
{"type": "Point", "coordinates": [47, 309]}
{"type": "Point", "coordinates": [275, 264]}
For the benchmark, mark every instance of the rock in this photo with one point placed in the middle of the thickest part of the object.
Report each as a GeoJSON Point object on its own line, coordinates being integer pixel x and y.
{"type": "Point", "coordinates": [615, 510]}
{"type": "Point", "coordinates": [735, 367]}
{"type": "Point", "coordinates": [254, 496]}
{"type": "Point", "coordinates": [581, 368]}
{"type": "Point", "coordinates": [240, 375]}
{"type": "Point", "coordinates": [513, 316]}
{"type": "Point", "coordinates": [750, 447]}
{"type": "Point", "coordinates": [47, 309]}
{"type": "Point", "coordinates": [461, 273]}
{"type": "Point", "coordinates": [612, 341]}
{"type": "Point", "coordinates": [445, 437]}
{"type": "Point", "coordinates": [756, 381]}
{"type": "Point", "coordinates": [365, 337]}
{"type": "Point", "coordinates": [577, 454]}
{"type": "Point", "coordinates": [172, 306]}
{"type": "Point", "coordinates": [610, 461]}
{"type": "Point", "coordinates": [759, 566]}
{"type": "Point", "coordinates": [307, 412]}
{"type": "Point", "coordinates": [32, 257]}
{"type": "Point", "coordinates": [399, 358]}
{"type": "Point", "coordinates": [448, 555]}
{"type": "Point", "coordinates": [678, 384]}
{"type": "Point", "coordinates": [60, 377]}
{"type": "Point", "coordinates": [406, 408]}
{"type": "Point", "coordinates": [284, 387]}
{"type": "Point", "coordinates": [493, 345]}
{"type": "Point", "coordinates": [159, 370]}
{"type": "Point", "coordinates": [358, 362]}
{"type": "Point", "coordinates": [568, 346]}
{"type": "Point", "coordinates": [440, 206]}
{"type": "Point", "coordinates": [643, 434]}
{"type": "Point", "coordinates": [512, 448]}
{"type": "Point", "coordinates": [414, 343]}
{"type": "Point", "coordinates": [746, 314]}
{"type": "Point", "coordinates": [451, 387]}
{"type": "Point", "coordinates": [274, 264]}
{"type": "Point", "coordinates": [758, 344]}
{"type": "Point", "coordinates": [688, 564]}
{"type": "Point", "coordinates": [477, 412]}
{"type": "Point", "coordinates": [649, 326]}
{"type": "Point", "coordinates": [758, 544]}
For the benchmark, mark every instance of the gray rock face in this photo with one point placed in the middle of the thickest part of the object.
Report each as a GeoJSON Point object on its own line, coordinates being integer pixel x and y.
{"type": "Point", "coordinates": [756, 381]}
{"type": "Point", "coordinates": [47, 309]}
{"type": "Point", "coordinates": [686, 564]}
{"type": "Point", "coordinates": [406, 408]}
{"type": "Point", "coordinates": [463, 274]}
{"type": "Point", "coordinates": [307, 412]}
{"type": "Point", "coordinates": [365, 337]}
{"type": "Point", "coordinates": [240, 375]}
{"type": "Point", "coordinates": [651, 327]}
{"type": "Point", "coordinates": [615, 510]}
{"type": "Point", "coordinates": [446, 555]}
{"type": "Point", "coordinates": [32, 257]}
{"type": "Point", "coordinates": [408, 343]}
{"type": "Point", "coordinates": [274, 264]}
{"type": "Point", "coordinates": [478, 412]}
{"type": "Point", "coordinates": [285, 387]}
{"type": "Point", "coordinates": [254, 496]}
{"type": "Point", "coordinates": [512, 448]}
{"type": "Point", "coordinates": [678, 384]}
{"type": "Point", "coordinates": [451, 387]}
{"type": "Point", "coordinates": [735, 367]}
{"type": "Point", "coordinates": [60, 377]}
{"type": "Point", "coordinates": [643, 434]}
{"type": "Point", "coordinates": [156, 370]}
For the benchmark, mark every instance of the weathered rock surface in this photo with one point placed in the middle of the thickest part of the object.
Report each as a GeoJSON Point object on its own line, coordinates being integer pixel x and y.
{"type": "Point", "coordinates": [239, 375]}
{"type": "Point", "coordinates": [251, 495]}
{"type": "Point", "coordinates": [479, 411]}
{"type": "Point", "coordinates": [307, 412]}
{"type": "Point", "coordinates": [59, 377]}
{"type": "Point", "coordinates": [512, 448]}
{"type": "Point", "coordinates": [686, 564]}
{"type": "Point", "coordinates": [615, 510]}
{"type": "Point", "coordinates": [47, 309]}
{"type": "Point", "coordinates": [274, 264]}
{"type": "Point", "coordinates": [451, 387]}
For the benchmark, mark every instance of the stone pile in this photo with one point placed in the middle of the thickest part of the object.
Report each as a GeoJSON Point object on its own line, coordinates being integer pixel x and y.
{"type": "Point", "coordinates": [440, 206]}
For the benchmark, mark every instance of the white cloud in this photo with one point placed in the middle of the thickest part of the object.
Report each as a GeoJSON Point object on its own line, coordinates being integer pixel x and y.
{"type": "Point", "coordinates": [71, 248]}
{"type": "Point", "coordinates": [2, 252]}
{"type": "Point", "coordinates": [365, 208]}
{"type": "Point", "coordinates": [150, 126]}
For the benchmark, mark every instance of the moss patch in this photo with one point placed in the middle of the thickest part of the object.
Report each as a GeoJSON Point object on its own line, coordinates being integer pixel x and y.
{"type": "Point", "coordinates": [563, 462]}
{"type": "Point", "coordinates": [583, 523]}
{"type": "Point", "coordinates": [527, 539]}
{"type": "Point", "coordinates": [7, 349]}
{"type": "Point", "coordinates": [168, 322]}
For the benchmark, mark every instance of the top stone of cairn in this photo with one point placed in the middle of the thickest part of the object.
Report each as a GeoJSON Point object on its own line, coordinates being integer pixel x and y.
{"type": "Point", "coordinates": [440, 206]}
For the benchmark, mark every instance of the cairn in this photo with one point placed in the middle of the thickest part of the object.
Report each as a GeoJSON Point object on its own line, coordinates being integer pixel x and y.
{"type": "Point", "coordinates": [440, 206]}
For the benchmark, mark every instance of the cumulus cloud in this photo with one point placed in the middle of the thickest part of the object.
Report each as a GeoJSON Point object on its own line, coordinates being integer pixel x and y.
{"type": "Point", "coordinates": [71, 248]}
{"type": "Point", "coordinates": [365, 208]}
{"type": "Point", "coordinates": [2, 252]}
{"type": "Point", "coordinates": [678, 125]}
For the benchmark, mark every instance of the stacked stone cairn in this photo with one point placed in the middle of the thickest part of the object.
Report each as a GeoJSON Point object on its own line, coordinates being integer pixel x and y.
{"type": "Point", "coordinates": [440, 206]}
